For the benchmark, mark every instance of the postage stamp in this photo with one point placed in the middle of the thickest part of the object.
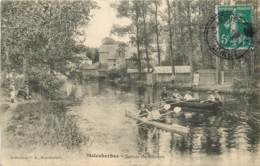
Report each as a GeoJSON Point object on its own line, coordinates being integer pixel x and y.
{"type": "Point", "coordinates": [229, 33]}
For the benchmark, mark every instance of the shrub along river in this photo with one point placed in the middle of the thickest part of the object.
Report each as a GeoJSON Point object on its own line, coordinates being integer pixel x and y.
{"type": "Point", "coordinates": [99, 126]}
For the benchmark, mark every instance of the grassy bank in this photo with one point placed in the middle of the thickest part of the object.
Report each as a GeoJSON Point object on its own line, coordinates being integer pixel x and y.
{"type": "Point", "coordinates": [43, 123]}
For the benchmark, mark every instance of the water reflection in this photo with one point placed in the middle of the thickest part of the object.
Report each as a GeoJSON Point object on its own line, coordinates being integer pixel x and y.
{"type": "Point", "coordinates": [236, 127]}
{"type": "Point", "coordinates": [233, 129]}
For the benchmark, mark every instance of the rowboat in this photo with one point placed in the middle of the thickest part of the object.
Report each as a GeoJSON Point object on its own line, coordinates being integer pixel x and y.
{"type": "Point", "coordinates": [175, 128]}
{"type": "Point", "coordinates": [198, 105]}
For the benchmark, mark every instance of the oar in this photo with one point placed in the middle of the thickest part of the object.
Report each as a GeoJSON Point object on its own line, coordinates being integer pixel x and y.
{"type": "Point", "coordinates": [158, 102]}
{"type": "Point", "coordinates": [161, 116]}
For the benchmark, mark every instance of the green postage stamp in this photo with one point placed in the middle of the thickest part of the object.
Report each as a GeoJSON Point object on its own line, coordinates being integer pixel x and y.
{"type": "Point", "coordinates": [234, 26]}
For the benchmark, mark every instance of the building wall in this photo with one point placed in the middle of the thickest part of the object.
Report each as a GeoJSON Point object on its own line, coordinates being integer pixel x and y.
{"type": "Point", "coordinates": [179, 78]}
{"type": "Point", "coordinates": [111, 63]}
{"type": "Point", "coordinates": [183, 78]}
{"type": "Point", "coordinates": [162, 77]}
{"type": "Point", "coordinates": [231, 76]}
{"type": "Point", "coordinates": [102, 57]}
{"type": "Point", "coordinates": [207, 76]}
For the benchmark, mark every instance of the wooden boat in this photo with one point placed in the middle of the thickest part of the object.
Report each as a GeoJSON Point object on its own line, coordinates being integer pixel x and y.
{"type": "Point", "coordinates": [175, 128]}
{"type": "Point", "coordinates": [198, 104]}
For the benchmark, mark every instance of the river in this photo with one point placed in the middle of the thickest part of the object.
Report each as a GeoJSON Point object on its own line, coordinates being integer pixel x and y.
{"type": "Point", "coordinates": [228, 137]}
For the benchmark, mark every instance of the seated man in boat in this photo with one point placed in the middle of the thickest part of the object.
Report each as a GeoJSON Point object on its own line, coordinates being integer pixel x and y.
{"type": "Point", "coordinates": [188, 96]}
{"type": "Point", "coordinates": [218, 97]}
{"type": "Point", "coordinates": [211, 97]}
{"type": "Point", "coordinates": [164, 94]}
{"type": "Point", "coordinates": [143, 112]}
{"type": "Point", "coordinates": [176, 95]}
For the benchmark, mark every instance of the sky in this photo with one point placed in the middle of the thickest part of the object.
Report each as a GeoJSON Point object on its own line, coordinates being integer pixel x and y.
{"type": "Point", "coordinates": [101, 24]}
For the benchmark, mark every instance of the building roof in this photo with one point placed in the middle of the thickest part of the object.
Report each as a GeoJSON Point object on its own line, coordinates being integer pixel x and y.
{"type": "Point", "coordinates": [105, 48]}
{"type": "Point", "coordinates": [163, 69]}
{"type": "Point", "coordinates": [182, 69]}
{"type": "Point", "coordinates": [129, 71]}
{"type": "Point", "coordinates": [168, 69]}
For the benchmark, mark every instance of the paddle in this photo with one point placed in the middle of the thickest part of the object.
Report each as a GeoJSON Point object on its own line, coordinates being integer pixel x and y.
{"type": "Point", "coordinates": [159, 102]}
{"type": "Point", "coordinates": [161, 116]}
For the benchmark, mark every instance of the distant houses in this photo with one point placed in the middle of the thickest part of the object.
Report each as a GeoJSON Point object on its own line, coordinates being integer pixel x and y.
{"type": "Point", "coordinates": [112, 54]}
{"type": "Point", "coordinates": [162, 73]}
{"type": "Point", "coordinates": [89, 70]}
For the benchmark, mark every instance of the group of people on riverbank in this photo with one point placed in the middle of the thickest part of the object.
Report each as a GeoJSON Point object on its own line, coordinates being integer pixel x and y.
{"type": "Point", "coordinates": [23, 92]}
{"type": "Point", "coordinates": [16, 86]}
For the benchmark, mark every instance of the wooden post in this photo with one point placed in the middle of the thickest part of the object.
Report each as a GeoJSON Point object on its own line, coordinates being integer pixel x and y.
{"type": "Point", "coordinates": [217, 70]}
{"type": "Point", "coordinates": [24, 67]}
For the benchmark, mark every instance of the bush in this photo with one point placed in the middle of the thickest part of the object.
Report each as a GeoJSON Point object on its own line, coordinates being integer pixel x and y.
{"type": "Point", "coordinates": [48, 85]}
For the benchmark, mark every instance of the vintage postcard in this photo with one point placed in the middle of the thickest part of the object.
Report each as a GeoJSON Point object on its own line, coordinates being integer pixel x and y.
{"type": "Point", "coordinates": [130, 83]}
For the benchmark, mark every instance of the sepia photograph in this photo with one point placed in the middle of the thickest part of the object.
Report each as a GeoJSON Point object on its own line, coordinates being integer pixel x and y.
{"type": "Point", "coordinates": [130, 83]}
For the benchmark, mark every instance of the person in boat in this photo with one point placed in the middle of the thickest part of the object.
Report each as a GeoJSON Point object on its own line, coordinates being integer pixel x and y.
{"type": "Point", "coordinates": [218, 97]}
{"type": "Point", "coordinates": [173, 78]}
{"type": "Point", "coordinates": [12, 93]}
{"type": "Point", "coordinates": [143, 112]}
{"type": "Point", "coordinates": [164, 94]}
{"type": "Point", "coordinates": [188, 96]}
{"type": "Point", "coordinates": [211, 97]}
{"type": "Point", "coordinates": [176, 95]}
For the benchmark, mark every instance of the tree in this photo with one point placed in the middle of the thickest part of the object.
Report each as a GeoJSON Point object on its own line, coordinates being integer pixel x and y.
{"type": "Point", "coordinates": [157, 31]}
{"type": "Point", "coordinates": [145, 37]}
{"type": "Point", "coordinates": [108, 41]}
{"type": "Point", "coordinates": [42, 32]}
{"type": "Point", "coordinates": [188, 4]}
{"type": "Point", "coordinates": [169, 24]}
{"type": "Point", "coordinates": [130, 9]}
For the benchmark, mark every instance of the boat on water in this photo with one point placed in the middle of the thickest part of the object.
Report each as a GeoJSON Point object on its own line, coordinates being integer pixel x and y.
{"type": "Point", "coordinates": [194, 104]}
{"type": "Point", "coordinates": [175, 128]}
{"type": "Point", "coordinates": [198, 104]}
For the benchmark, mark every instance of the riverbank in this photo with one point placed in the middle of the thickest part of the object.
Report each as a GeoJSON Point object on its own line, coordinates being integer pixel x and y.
{"type": "Point", "coordinates": [225, 88]}
{"type": "Point", "coordinates": [101, 119]}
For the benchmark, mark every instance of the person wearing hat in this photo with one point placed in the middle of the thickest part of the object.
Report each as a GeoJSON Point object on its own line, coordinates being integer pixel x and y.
{"type": "Point", "coordinates": [211, 97]}
{"type": "Point", "coordinates": [176, 95]}
{"type": "Point", "coordinates": [173, 78]}
{"type": "Point", "coordinates": [188, 96]}
{"type": "Point", "coordinates": [143, 112]}
{"type": "Point", "coordinates": [217, 96]}
{"type": "Point", "coordinates": [164, 94]}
